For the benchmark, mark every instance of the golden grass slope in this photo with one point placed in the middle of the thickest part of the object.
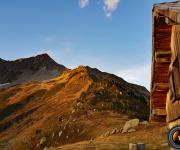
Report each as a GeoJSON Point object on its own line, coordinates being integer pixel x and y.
{"type": "Point", "coordinates": [80, 104]}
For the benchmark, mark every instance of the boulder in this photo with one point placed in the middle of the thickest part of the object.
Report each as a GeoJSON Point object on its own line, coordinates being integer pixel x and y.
{"type": "Point", "coordinates": [131, 130]}
{"type": "Point", "coordinates": [130, 124]}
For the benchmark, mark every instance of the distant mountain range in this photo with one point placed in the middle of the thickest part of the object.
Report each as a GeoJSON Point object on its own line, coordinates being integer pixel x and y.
{"type": "Point", "coordinates": [38, 68]}
{"type": "Point", "coordinates": [78, 104]}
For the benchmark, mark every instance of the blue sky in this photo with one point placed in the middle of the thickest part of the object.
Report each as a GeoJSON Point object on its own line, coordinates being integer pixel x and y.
{"type": "Point", "coordinates": [111, 35]}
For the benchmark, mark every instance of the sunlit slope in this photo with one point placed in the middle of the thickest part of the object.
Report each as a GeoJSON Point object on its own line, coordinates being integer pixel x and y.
{"type": "Point", "coordinates": [78, 105]}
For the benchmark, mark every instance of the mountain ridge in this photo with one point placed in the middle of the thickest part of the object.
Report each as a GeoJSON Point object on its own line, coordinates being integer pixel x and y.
{"type": "Point", "coordinates": [79, 104]}
{"type": "Point", "coordinates": [29, 69]}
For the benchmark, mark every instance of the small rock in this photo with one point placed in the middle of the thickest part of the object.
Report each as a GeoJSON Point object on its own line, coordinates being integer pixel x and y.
{"type": "Point", "coordinates": [50, 148]}
{"type": "Point", "coordinates": [45, 148]}
{"type": "Point", "coordinates": [130, 124]}
{"type": "Point", "coordinates": [164, 144]}
{"type": "Point", "coordinates": [73, 111]}
{"type": "Point", "coordinates": [53, 135]}
{"type": "Point", "coordinates": [60, 133]}
{"type": "Point", "coordinates": [131, 130]}
{"type": "Point", "coordinates": [79, 105]}
{"type": "Point", "coordinates": [118, 130]}
{"type": "Point", "coordinates": [67, 136]}
{"type": "Point", "coordinates": [91, 141]}
{"type": "Point", "coordinates": [132, 146]}
{"type": "Point", "coordinates": [144, 123]}
{"type": "Point", "coordinates": [43, 140]}
{"type": "Point", "coordinates": [113, 131]}
{"type": "Point", "coordinates": [107, 134]}
{"type": "Point", "coordinates": [60, 119]}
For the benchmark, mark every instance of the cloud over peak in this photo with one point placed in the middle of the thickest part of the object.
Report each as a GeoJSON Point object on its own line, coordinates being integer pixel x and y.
{"type": "Point", "coordinates": [83, 3]}
{"type": "Point", "coordinates": [109, 6]}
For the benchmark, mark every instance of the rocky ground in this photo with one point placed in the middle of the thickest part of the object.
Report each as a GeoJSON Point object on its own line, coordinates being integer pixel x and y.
{"type": "Point", "coordinates": [153, 135]}
{"type": "Point", "coordinates": [83, 108]}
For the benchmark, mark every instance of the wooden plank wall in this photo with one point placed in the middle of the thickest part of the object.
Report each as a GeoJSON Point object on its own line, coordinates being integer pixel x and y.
{"type": "Point", "coordinates": [160, 68]}
{"type": "Point", "coordinates": [165, 81]}
{"type": "Point", "coordinates": [173, 107]}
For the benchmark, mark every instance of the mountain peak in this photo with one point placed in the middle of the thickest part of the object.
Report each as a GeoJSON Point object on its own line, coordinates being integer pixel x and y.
{"type": "Point", "coordinates": [43, 56]}
{"type": "Point", "coordinates": [83, 68]}
{"type": "Point", "coordinates": [36, 68]}
{"type": "Point", "coordinates": [2, 60]}
{"type": "Point", "coordinates": [38, 57]}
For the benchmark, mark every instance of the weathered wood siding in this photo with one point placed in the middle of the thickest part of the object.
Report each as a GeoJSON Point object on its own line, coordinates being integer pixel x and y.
{"type": "Point", "coordinates": [161, 58]}
{"type": "Point", "coordinates": [173, 109]}
{"type": "Point", "coordinates": [165, 81]}
{"type": "Point", "coordinates": [173, 99]}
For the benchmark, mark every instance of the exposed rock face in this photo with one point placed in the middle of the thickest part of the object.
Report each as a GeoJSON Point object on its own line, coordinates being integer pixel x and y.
{"type": "Point", "coordinates": [38, 68]}
{"type": "Point", "coordinates": [95, 100]}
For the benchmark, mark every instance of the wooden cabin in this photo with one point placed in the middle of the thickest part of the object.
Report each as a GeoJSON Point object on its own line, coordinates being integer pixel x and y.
{"type": "Point", "coordinates": [165, 78]}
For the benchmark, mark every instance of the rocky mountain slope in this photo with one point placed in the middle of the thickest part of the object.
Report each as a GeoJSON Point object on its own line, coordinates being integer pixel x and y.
{"type": "Point", "coordinates": [80, 104]}
{"type": "Point", "coordinates": [38, 68]}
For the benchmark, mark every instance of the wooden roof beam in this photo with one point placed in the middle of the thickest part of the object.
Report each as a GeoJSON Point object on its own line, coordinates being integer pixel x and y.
{"type": "Point", "coordinates": [160, 87]}
{"type": "Point", "coordinates": [163, 56]}
{"type": "Point", "coordinates": [163, 60]}
{"type": "Point", "coordinates": [159, 112]}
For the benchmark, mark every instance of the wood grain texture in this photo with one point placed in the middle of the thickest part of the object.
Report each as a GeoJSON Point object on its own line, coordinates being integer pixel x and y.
{"type": "Point", "coordinates": [165, 72]}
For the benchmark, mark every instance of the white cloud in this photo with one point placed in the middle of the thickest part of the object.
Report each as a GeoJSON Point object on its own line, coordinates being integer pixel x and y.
{"type": "Point", "coordinates": [83, 3]}
{"type": "Point", "coordinates": [110, 6]}
{"type": "Point", "coordinates": [138, 74]}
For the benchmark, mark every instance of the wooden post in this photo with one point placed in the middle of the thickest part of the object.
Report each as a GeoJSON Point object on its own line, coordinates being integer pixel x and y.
{"type": "Point", "coordinates": [140, 146]}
